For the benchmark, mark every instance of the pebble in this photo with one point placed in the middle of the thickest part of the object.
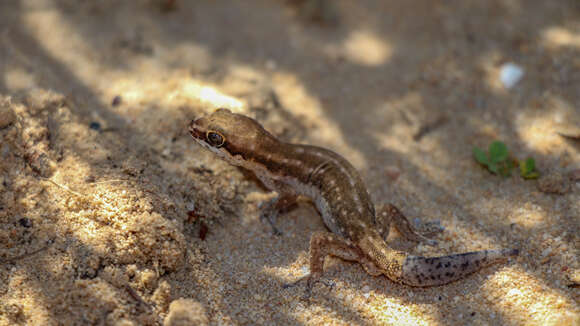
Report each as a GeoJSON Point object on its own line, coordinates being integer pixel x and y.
{"type": "Point", "coordinates": [95, 126]}
{"type": "Point", "coordinates": [305, 270]}
{"type": "Point", "coordinates": [554, 183]}
{"type": "Point", "coordinates": [510, 74]}
{"type": "Point", "coordinates": [546, 251]}
{"type": "Point", "coordinates": [117, 100]}
{"type": "Point", "coordinates": [392, 172]}
{"type": "Point", "coordinates": [25, 222]}
{"type": "Point", "coordinates": [186, 312]}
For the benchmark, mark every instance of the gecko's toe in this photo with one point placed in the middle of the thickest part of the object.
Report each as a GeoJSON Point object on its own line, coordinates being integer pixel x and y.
{"type": "Point", "coordinates": [293, 284]}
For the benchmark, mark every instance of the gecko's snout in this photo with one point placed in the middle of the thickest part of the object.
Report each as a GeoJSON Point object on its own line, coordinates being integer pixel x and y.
{"type": "Point", "coordinates": [194, 129]}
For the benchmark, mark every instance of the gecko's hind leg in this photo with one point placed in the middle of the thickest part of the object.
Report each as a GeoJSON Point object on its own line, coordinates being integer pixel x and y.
{"type": "Point", "coordinates": [324, 244]}
{"type": "Point", "coordinates": [273, 207]}
{"type": "Point", "coordinates": [390, 214]}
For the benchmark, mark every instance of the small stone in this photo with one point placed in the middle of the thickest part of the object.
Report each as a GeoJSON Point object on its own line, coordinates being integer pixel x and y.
{"type": "Point", "coordinates": [183, 312]}
{"type": "Point", "coordinates": [41, 164]}
{"type": "Point", "coordinates": [392, 172]}
{"type": "Point", "coordinates": [546, 252]}
{"type": "Point", "coordinates": [95, 126]}
{"type": "Point", "coordinates": [117, 100]}
{"type": "Point", "coordinates": [25, 222]}
{"type": "Point", "coordinates": [510, 74]}
{"type": "Point", "coordinates": [554, 183]}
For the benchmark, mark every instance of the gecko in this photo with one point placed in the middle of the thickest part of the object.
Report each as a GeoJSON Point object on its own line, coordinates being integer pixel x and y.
{"type": "Point", "coordinates": [357, 231]}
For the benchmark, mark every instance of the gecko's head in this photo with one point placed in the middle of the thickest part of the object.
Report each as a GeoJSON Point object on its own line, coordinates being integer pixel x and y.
{"type": "Point", "coordinates": [233, 137]}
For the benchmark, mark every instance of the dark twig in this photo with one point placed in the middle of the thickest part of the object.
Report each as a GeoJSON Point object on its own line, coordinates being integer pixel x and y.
{"type": "Point", "coordinates": [28, 254]}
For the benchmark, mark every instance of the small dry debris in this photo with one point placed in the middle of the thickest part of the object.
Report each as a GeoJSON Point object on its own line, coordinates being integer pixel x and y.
{"type": "Point", "coordinates": [186, 312]}
{"type": "Point", "coordinates": [554, 183]}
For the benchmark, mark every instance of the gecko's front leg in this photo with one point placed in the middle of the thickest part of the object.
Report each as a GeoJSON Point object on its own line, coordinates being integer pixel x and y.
{"type": "Point", "coordinates": [270, 209]}
{"type": "Point", "coordinates": [323, 244]}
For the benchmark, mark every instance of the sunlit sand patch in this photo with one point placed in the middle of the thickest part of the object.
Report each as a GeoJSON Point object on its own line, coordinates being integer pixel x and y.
{"type": "Point", "coordinates": [361, 47]}
{"type": "Point", "coordinates": [560, 37]}
{"type": "Point", "coordinates": [524, 299]}
{"type": "Point", "coordinates": [27, 296]}
{"type": "Point", "coordinates": [389, 312]}
{"type": "Point", "coordinates": [489, 64]}
{"type": "Point", "coordinates": [366, 48]}
{"type": "Point", "coordinates": [211, 95]}
{"type": "Point", "coordinates": [539, 129]}
{"type": "Point", "coordinates": [396, 137]}
{"type": "Point", "coordinates": [17, 79]}
{"type": "Point", "coordinates": [528, 215]}
{"type": "Point", "coordinates": [322, 128]}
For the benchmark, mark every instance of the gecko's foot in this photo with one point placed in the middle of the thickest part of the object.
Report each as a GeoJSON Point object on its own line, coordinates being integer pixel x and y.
{"type": "Point", "coordinates": [308, 289]}
{"type": "Point", "coordinates": [330, 283]}
{"type": "Point", "coordinates": [293, 284]}
{"type": "Point", "coordinates": [426, 230]}
{"type": "Point", "coordinates": [429, 229]}
{"type": "Point", "coordinates": [310, 282]}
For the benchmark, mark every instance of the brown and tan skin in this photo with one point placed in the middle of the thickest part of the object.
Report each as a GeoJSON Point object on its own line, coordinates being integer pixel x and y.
{"type": "Point", "coordinates": [340, 196]}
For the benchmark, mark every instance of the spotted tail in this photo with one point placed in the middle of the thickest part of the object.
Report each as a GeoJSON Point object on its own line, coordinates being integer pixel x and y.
{"type": "Point", "coordinates": [423, 271]}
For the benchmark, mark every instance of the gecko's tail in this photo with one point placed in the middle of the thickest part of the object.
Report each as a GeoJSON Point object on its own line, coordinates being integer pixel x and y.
{"type": "Point", "coordinates": [423, 271]}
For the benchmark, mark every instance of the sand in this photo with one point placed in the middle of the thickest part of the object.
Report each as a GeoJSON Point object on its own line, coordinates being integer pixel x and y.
{"type": "Point", "coordinates": [111, 215]}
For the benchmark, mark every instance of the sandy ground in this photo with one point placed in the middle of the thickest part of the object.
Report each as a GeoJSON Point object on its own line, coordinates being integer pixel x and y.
{"type": "Point", "coordinates": [110, 215]}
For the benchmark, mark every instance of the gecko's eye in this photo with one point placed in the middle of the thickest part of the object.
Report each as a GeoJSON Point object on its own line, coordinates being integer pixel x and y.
{"type": "Point", "coordinates": [215, 139]}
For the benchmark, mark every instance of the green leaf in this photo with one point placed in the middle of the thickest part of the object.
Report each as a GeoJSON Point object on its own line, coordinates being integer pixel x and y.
{"type": "Point", "coordinates": [498, 152]}
{"type": "Point", "coordinates": [492, 167]}
{"type": "Point", "coordinates": [480, 156]}
{"type": "Point", "coordinates": [530, 164]}
{"type": "Point", "coordinates": [528, 169]}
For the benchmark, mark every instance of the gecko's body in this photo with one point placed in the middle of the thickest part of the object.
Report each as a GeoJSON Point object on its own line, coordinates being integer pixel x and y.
{"type": "Point", "coordinates": [340, 196]}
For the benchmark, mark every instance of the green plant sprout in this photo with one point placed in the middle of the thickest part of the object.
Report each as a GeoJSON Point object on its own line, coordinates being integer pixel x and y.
{"type": "Point", "coordinates": [497, 161]}
{"type": "Point", "coordinates": [528, 169]}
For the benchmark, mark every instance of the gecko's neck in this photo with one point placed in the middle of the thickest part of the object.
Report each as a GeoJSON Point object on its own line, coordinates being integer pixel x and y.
{"type": "Point", "coordinates": [279, 160]}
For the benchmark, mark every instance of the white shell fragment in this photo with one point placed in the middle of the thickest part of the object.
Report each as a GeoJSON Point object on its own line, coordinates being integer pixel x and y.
{"type": "Point", "coordinates": [510, 74]}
